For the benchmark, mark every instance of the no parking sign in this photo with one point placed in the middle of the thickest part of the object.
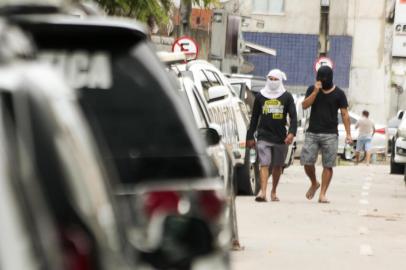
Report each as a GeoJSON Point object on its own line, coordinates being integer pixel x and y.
{"type": "Point", "coordinates": [186, 45]}
{"type": "Point", "coordinates": [323, 61]}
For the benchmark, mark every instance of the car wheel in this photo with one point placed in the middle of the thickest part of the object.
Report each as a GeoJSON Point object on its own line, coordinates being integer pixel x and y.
{"type": "Point", "coordinates": [247, 176]}
{"type": "Point", "coordinates": [404, 174]}
{"type": "Point", "coordinates": [395, 168]}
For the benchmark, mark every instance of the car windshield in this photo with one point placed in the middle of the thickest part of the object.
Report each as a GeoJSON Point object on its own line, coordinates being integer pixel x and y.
{"type": "Point", "coordinates": [402, 124]}
{"type": "Point", "coordinates": [393, 123]}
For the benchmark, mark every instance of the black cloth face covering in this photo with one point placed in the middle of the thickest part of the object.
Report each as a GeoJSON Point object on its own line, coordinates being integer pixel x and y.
{"type": "Point", "coordinates": [325, 75]}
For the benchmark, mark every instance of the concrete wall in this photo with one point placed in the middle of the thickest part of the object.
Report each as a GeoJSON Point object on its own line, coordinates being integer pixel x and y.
{"type": "Point", "coordinates": [338, 17]}
{"type": "Point", "coordinates": [300, 17]}
{"type": "Point", "coordinates": [368, 90]}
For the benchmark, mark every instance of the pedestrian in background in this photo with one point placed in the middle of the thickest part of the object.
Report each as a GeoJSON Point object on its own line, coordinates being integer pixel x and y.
{"type": "Point", "coordinates": [269, 119]}
{"type": "Point", "coordinates": [325, 99]}
{"type": "Point", "coordinates": [366, 130]}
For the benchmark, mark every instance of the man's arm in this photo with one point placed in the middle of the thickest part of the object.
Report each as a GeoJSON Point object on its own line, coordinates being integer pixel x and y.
{"type": "Point", "coordinates": [347, 124]}
{"type": "Point", "coordinates": [256, 112]}
{"type": "Point", "coordinates": [308, 101]}
{"type": "Point", "coordinates": [293, 122]}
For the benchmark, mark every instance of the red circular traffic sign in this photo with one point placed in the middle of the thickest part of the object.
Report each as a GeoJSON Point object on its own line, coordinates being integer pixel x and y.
{"type": "Point", "coordinates": [187, 45]}
{"type": "Point", "coordinates": [323, 61]}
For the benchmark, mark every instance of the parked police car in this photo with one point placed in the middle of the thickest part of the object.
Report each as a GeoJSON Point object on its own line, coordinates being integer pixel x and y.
{"type": "Point", "coordinates": [57, 210]}
{"type": "Point", "coordinates": [167, 183]}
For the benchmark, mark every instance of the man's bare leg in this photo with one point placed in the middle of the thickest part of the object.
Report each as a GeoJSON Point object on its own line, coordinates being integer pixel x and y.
{"type": "Point", "coordinates": [368, 157]}
{"type": "Point", "coordinates": [356, 157]}
{"type": "Point", "coordinates": [326, 179]}
{"type": "Point", "coordinates": [276, 174]}
{"type": "Point", "coordinates": [264, 175]}
{"type": "Point", "coordinates": [311, 173]}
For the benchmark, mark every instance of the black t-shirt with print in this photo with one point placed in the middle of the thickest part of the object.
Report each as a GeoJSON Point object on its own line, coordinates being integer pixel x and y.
{"type": "Point", "coordinates": [269, 118]}
{"type": "Point", "coordinates": [324, 110]}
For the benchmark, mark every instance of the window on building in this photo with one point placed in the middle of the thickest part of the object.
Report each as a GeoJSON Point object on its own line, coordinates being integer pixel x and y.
{"type": "Point", "coordinates": [269, 6]}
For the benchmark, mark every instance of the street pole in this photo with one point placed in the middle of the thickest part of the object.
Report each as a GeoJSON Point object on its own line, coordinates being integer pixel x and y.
{"type": "Point", "coordinates": [185, 12]}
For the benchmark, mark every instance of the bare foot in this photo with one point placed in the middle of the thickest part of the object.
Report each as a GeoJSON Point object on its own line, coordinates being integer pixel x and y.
{"type": "Point", "coordinates": [260, 199]}
{"type": "Point", "coordinates": [312, 190]}
{"type": "Point", "coordinates": [324, 201]}
{"type": "Point", "coordinates": [274, 198]}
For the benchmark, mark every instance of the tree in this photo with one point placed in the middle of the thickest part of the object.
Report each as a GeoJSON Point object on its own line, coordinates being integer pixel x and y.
{"type": "Point", "coordinates": [149, 10]}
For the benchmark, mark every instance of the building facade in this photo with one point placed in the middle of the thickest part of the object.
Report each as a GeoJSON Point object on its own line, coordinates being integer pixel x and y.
{"type": "Point", "coordinates": [350, 32]}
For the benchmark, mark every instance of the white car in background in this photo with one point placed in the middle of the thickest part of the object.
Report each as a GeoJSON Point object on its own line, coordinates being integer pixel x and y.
{"type": "Point", "coordinates": [398, 157]}
{"type": "Point", "coordinates": [226, 109]}
{"type": "Point", "coordinates": [379, 140]}
{"type": "Point", "coordinates": [393, 125]}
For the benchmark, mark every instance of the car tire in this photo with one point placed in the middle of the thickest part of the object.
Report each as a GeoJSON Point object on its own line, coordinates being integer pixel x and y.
{"type": "Point", "coordinates": [395, 168]}
{"type": "Point", "coordinates": [247, 177]}
{"type": "Point", "coordinates": [404, 174]}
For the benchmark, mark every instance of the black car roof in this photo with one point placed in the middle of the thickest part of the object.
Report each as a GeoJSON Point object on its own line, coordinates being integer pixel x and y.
{"type": "Point", "coordinates": [55, 30]}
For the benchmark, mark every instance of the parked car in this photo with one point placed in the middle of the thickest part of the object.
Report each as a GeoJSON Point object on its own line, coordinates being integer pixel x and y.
{"type": "Point", "coordinates": [379, 140]}
{"type": "Point", "coordinates": [227, 110]}
{"type": "Point", "coordinates": [218, 152]}
{"type": "Point", "coordinates": [398, 157]}
{"type": "Point", "coordinates": [393, 125]}
{"type": "Point", "coordinates": [57, 210]}
{"type": "Point", "coordinates": [167, 183]}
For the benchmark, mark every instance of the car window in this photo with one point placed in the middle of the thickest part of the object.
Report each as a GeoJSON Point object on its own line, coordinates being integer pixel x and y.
{"type": "Point", "coordinates": [140, 123]}
{"type": "Point", "coordinates": [205, 84]}
{"type": "Point", "coordinates": [194, 107]}
{"type": "Point", "coordinates": [202, 105]}
{"type": "Point", "coordinates": [135, 110]}
{"type": "Point", "coordinates": [213, 78]}
{"type": "Point", "coordinates": [208, 79]}
{"type": "Point", "coordinates": [237, 88]}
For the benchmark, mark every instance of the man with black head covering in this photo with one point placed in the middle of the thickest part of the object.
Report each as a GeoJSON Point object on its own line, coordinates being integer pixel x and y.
{"type": "Point", "coordinates": [325, 99]}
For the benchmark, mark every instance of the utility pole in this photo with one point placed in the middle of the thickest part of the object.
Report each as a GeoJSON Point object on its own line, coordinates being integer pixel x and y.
{"type": "Point", "coordinates": [324, 27]}
{"type": "Point", "coordinates": [185, 12]}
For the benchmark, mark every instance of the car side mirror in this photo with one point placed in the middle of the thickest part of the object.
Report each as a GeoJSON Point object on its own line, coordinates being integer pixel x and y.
{"type": "Point", "coordinates": [211, 135]}
{"type": "Point", "coordinates": [217, 92]}
{"type": "Point", "coordinates": [400, 115]}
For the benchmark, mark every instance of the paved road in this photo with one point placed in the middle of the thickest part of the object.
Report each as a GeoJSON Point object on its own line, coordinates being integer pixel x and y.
{"type": "Point", "coordinates": [364, 227]}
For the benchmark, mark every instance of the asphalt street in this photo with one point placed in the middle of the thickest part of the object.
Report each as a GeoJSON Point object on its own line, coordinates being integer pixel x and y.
{"type": "Point", "coordinates": [364, 226]}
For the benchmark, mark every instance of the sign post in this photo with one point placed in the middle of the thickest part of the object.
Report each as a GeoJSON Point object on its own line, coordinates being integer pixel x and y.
{"type": "Point", "coordinates": [323, 61]}
{"type": "Point", "coordinates": [186, 45]}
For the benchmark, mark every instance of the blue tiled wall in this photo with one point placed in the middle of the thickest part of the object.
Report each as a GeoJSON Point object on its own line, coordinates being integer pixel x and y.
{"type": "Point", "coordinates": [340, 52]}
{"type": "Point", "coordinates": [296, 54]}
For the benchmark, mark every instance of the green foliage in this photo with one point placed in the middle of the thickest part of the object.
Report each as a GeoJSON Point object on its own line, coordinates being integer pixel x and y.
{"type": "Point", "coordinates": [143, 10]}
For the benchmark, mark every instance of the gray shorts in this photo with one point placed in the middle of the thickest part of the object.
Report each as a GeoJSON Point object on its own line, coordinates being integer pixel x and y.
{"type": "Point", "coordinates": [326, 143]}
{"type": "Point", "coordinates": [271, 153]}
